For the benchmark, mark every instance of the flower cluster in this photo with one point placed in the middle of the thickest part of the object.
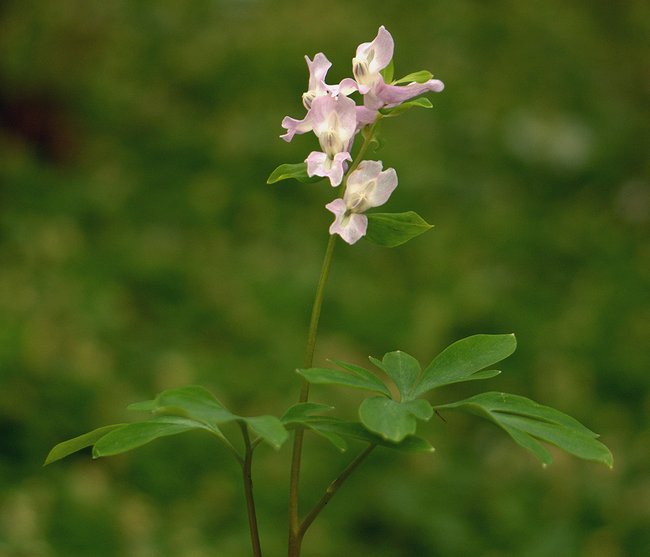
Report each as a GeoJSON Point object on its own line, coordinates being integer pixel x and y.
{"type": "Point", "coordinates": [336, 119]}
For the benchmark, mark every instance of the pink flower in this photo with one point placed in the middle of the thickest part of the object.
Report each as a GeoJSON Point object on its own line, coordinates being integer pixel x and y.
{"type": "Point", "coordinates": [318, 68]}
{"type": "Point", "coordinates": [366, 187]}
{"type": "Point", "coordinates": [334, 121]}
{"type": "Point", "coordinates": [371, 58]}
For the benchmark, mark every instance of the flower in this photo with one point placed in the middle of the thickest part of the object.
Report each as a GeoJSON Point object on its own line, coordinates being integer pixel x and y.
{"type": "Point", "coordinates": [371, 58]}
{"type": "Point", "coordinates": [334, 121]}
{"type": "Point", "coordinates": [368, 186]}
{"type": "Point", "coordinates": [318, 68]}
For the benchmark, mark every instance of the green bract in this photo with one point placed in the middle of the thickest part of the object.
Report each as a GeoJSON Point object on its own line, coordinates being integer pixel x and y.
{"type": "Point", "coordinates": [297, 171]}
{"type": "Point", "coordinates": [394, 229]}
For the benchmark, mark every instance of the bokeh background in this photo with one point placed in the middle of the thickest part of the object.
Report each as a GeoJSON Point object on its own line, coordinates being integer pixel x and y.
{"type": "Point", "coordinates": [140, 249]}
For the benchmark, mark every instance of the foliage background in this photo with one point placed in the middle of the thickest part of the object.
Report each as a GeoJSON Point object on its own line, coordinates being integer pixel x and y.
{"type": "Point", "coordinates": [140, 249]}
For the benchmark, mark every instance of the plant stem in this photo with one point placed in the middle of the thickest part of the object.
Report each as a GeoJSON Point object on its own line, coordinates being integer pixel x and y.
{"type": "Point", "coordinates": [248, 491]}
{"type": "Point", "coordinates": [296, 533]}
{"type": "Point", "coordinates": [332, 489]}
{"type": "Point", "coordinates": [296, 458]}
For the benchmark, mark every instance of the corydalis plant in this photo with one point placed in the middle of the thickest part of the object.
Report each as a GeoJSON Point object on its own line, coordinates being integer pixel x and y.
{"type": "Point", "coordinates": [397, 385]}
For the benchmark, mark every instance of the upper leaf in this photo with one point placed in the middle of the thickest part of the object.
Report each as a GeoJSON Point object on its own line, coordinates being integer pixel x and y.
{"type": "Point", "coordinates": [297, 171]}
{"type": "Point", "coordinates": [527, 422]}
{"type": "Point", "coordinates": [461, 360]}
{"type": "Point", "coordinates": [402, 368]}
{"type": "Point", "coordinates": [393, 229]}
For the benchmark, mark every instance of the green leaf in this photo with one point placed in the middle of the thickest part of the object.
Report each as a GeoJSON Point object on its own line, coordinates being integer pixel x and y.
{"type": "Point", "coordinates": [402, 368]}
{"type": "Point", "coordinates": [419, 77]}
{"type": "Point", "coordinates": [303, 410]}
{"type": "Point", "coordinates": [143, 406]}
{"type": "Point", "coordinates": [421, 102]}
{"type": "Point", "coordinates": [388, 72]}
{"type": "Point", "coordinates": [73, 445]}
{"type": "Point", "coordinates": [420, 408]}
{"type": "Point", "coordinates": [195, 402]}
{"type": "Point", "coordinates": [394, 229]}
{"type": "Point", "coordinates": [528, 422]}
{"type": "Point", "coordinates": [296, 171]}
{"type": "Point", "coordinates": [355, 377]}
{"type": "Point", "coordinates": [355, 430]}
{"type": "Point", "coordinates": [393, 420]}
{"type": "Point", "coordinates": [199, 404]}
{"type": "Point", "coordinates": [461, 360]}
{"type": "Point", "coordinates": [269, 428]}
{"type": "Point", "coordinates": [132, 436]}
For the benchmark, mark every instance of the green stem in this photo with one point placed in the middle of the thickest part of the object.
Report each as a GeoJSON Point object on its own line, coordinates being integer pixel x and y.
{"type": "Point", "coordinates": [295, 532]}
{"type": "Point", "coordinates": [332, 489]}
{"type": "Point", "coordinates": [248, 491]}
{"type": "Point", "coordinates": [296, 457]}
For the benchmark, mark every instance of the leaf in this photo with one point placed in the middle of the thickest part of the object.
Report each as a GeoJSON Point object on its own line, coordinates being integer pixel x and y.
{"type": "Point", "coordinates": [296, 171]}
{"type": "Point", "coordinates": [269, 428]}
{"type": "Point", "coordinates": [388, 72]}
{"type": "Point", "coordinates": [132, 436]}
{"type": "Point", "coordinates": [393, 420]}
{"type": "Point", "coordinates": [421, 102]}
{"type": "Point", "coordinates": [402, 368]}
{"type": "Point", "coordinates": [419, 77]}
{"type": "Point", "coordinates": [355, 430]}
{"type": "Point", "coordinates": [143, 406]}
{"type": "Point", "coordinates": [73, 445]}
{"type": "Point", "coordinates": [354, 378]}
{"type": "Point", "coordinates": [303, 410]}
{"type": "Point", "coordinates": [461, 360]}
{"type": "Point", "coordinates": [420, 408]}
{"type": "Point", "coordinates": [394, 229]}
{"type": "Point", "coordinates": [195, 402]}
{"type": "Point", "coordinates": [527, 422]}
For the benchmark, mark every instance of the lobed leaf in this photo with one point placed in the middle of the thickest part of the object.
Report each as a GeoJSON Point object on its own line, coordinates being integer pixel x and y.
{"type": "Point", "coordinates": [70, 446]}
{"type": "Point", "coordinates": [463, 359]}
{"type": "Point", "coordinates": [402, 368]}
{"type": "Point", "coordinates": [528, 422]}
{"type": "Point", "coordinates": [355, 377]}
{"type": "Point", "coordinates": [394, 229]}
{"type": "Point", "coordinates": [356, 431]}
{"type": "Point", "coordinates": [393, 420]}
{"type": "Point", "coordinates": [297, 171]}
{"type": "Point", "coordinates": [132, 436]}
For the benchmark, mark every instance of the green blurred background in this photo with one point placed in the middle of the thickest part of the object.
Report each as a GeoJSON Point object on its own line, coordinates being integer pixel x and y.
{"type": "Point", "coordinates": [140, 249]}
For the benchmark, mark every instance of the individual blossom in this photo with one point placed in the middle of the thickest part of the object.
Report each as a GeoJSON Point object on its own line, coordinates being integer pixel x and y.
{"type": "Point", "coordinates": [371, 58]}
{"type": "Point", "coordinates": [334, 122]}
{"type": "Point", "coordinates": [368, 186]}
{"type": "Point", "coordinates": [318, 68]}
